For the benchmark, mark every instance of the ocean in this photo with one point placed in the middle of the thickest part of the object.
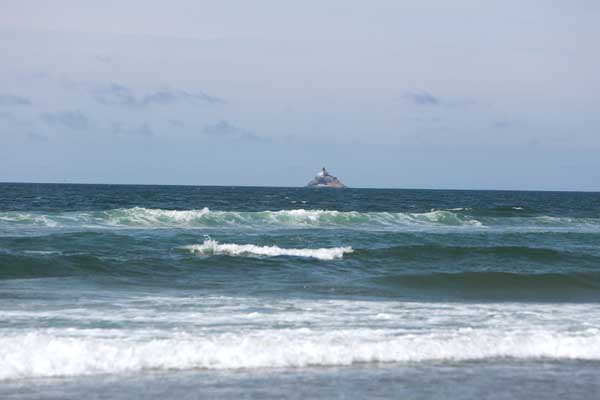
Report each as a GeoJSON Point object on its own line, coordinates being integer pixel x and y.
{"type": "Point", "coordinates": [154, 292]}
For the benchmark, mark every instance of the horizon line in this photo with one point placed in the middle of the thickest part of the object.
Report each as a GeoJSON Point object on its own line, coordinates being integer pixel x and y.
{"type": "Point", "coordinates": [298, 187]}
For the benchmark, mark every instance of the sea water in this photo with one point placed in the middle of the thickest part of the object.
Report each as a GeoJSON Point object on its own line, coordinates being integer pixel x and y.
{"type": "Point", "coordinates": [238, 292]}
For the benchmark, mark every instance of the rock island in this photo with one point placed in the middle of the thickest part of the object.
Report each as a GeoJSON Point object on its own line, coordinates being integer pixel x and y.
{"type": "Point", "coordinates": [324, 179]}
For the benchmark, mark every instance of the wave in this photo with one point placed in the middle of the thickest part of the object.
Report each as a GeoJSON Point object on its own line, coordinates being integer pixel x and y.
{"type": "Point", "coordinates": [402, 278]}
{"type": "Point", "coordinates": [509, 286]}
{"type": "Point", "coordinates": [28, 265]}
{"type": "Point", "coordinates": [212, 247]}
{"type": "Point", "coordinates": [58, 353]}
{"type": "Point", "coordinates": [139, 217]}
{"type": "Point", "coordinates": [500, 211]}
{"type": "Point", "coordinates": [146, 217]}
{"type": "Point", "coordinates": [506, 252]}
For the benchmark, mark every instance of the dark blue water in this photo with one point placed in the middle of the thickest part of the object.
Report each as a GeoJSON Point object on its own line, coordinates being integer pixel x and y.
{"type": "Point", "coordinates": [105, 286]}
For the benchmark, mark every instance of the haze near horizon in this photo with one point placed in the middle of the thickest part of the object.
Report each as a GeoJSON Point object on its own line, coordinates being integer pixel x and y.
{"type": "Point", "coordinates": [385, 94]}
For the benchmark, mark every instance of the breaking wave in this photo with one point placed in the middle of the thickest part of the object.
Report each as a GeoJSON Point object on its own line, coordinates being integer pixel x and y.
{"type": "Point", "coordinates": [212, 247]}
{"type": "Point", "coordinates": [50, 353]}
{"type": "Point", "coordinates": [146, 217]}
{"type": "Point", "coordinates": [139, 217]}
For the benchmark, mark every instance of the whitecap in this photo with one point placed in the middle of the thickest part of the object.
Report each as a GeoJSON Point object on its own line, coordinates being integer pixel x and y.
{"type": "Point", "coordinates": [47, 354]}
{"type": "Point", "coordinates": [212, 247]}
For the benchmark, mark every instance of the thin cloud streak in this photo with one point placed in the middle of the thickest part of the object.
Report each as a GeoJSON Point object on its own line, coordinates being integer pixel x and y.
{"type": "Point", "coordinates": [114, 94]}
{"type": "Point", "coordinates": [73, 119]}
{"type": "Point", "coordinates": [10, 100]}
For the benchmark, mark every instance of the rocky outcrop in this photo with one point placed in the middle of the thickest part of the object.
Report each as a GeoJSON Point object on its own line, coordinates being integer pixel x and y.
{"type": "Point", "coordinates": [324, 179]}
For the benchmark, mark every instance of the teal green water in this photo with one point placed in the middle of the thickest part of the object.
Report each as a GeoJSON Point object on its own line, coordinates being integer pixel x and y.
{"type": "Point", "coordinates": [105, 285]}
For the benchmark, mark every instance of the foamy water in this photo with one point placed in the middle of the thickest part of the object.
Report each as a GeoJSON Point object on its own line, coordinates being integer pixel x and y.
{"type": "Point", "coordinates": [232, 333]}
{"type": "Point", "coordinates": [144, 217]}
{"type": "Point", "coordinates": [131, 291]}
{"type": "Point", "coordinates": [212, 247]}
{"type": "Point", "coordinates": [139, 217]}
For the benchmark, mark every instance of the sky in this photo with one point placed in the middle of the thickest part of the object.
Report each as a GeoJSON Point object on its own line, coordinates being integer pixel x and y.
{"type": "Point", "coordinates": [401, 94]}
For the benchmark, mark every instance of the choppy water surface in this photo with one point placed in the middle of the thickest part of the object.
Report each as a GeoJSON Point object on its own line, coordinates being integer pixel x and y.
{"type": "Point", "coordinates": [156, 291]}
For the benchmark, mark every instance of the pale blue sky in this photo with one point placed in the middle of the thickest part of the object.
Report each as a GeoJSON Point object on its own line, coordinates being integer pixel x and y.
{"type": "Point", "coordinates": [421, 94]}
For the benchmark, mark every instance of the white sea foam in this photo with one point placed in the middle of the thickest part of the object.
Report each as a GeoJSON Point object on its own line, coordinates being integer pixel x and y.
{"type": "Point", "coordinates": [445, 218]}
{"type": "Point", "coordinates": [42, 252]}
{"type": "Point", "coordinates": [23, 218]}
{"type": "Point", "coordinates": [212, 247]}
{"type": "Point", "coordinates": [139, 217]}
{"type": "Point", "coordinates": [153, 217]}
{"type": "Point", "coordinates": [220, 332]}
{"type": "Point", "coordinates": [45, 354]}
